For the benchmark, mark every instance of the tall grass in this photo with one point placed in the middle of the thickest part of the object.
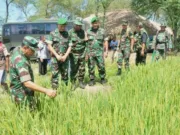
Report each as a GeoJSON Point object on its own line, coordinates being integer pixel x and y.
{"type": "Point", "coordinates": [144, 101]}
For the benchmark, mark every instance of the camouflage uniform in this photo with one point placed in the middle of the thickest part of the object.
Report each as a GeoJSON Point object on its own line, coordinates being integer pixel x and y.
{"type": "Point", "coordinates": [20, 72]}
{"type": "Point", "coordinates": [124, 52]}
{"type": "Point", "coordinates": [141, 59]}
{"type": "Point", "coordinates": [161, 44]}
{"type": "Point", "coordinates": [77, 55]}
{"type": "Point", "coordinates": [95, 52]}
{"type": "Point", "coordinates": [60, 44]}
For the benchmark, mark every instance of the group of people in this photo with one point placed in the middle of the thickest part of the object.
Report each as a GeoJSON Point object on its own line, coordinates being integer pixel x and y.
{"type": "Point", "coordinates": [75, 46]}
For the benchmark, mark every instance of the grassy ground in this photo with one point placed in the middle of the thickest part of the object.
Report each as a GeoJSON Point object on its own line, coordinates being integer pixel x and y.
{"type": "Point", "coordinates": [144, 101]}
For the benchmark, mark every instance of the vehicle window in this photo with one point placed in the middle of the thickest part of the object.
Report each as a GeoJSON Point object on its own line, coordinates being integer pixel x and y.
{"type": "Point", "coordinates": [50, 27]}
{"type": "Point", "coordinates": [6, 31]}
{"type": "Point", "coordinates": [19, 29]}
{"type": "Point", "coordinates": [37, 28]}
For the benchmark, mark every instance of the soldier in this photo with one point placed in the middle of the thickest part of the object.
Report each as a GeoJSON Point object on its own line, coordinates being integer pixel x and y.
{"type": "Point", "coordinates": [77, 55]}
{"type": "Point", "coordinates": [125, 46]}
{"type": "Point", "coordinates": [61, 45]}
{"type": "Point", "coordinates": [4, 65]}
{"type": "Point", "coordinates": [96, 45]}
{"type": "Point", "coordinates": [161, 42]}
{"type": "Point", "coordinates": [142, 41]}
{"type": "Point", "coordinates": [21, 74]}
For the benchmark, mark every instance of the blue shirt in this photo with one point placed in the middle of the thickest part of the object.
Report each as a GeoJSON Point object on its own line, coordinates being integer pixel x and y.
{"type": "Point", "coordinates": [114, 44]}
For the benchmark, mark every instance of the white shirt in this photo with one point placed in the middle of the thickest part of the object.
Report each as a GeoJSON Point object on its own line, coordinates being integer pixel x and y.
{"type": "Point", "coordinates": [43, 51]}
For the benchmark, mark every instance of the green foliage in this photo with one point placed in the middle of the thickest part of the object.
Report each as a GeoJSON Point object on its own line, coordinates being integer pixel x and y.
{"type": "Point", "coordinates": [165, 10]}
{"type": "Point", "coordinates": [145, 100]}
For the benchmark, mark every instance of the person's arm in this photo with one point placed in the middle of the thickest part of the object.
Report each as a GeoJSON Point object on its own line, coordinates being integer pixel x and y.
{"type": "Point", "coordinates": [51, 49]}
{"type": "Point", "coordinates": [143, 43]}
{"type": "Point", "coordinates": [7, 63]}
{"type": "Point", "coordinates": [6, 54]}
{"type": "Point", "coordinates": [106, 48]}
{"type": "Point", "coordinates": [35, 87]}
{"type": "Point", "coordinates": [64, 57]}
{"type": "Point", "coordinates": [132, 44]}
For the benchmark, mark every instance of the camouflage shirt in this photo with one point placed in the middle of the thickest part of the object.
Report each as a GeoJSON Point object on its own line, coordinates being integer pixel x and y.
{"type": "Point", "coordinates": [161, 39]}
{"type": "Point", "coordinates": [20, 72]}
{"type": "Point", "coordinates": [78, 42]}
{"type": "Point", "coordinates": [96, 39]}
{"type": "Point", "coordinates": [125, 38]}
{"type": "Point", "coordinates": [60, 41]}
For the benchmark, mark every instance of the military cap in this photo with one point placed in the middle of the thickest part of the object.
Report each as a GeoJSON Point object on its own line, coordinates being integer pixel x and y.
{"type": "Point", "coordinates": [30, 42]}
{"type": "Point", "coordinates": [163, 25]}
{"type": "Point", "coordinates": [78, 21]}
{"type": "Point", "coordinates": [62, 21]}
{"type": "Point", "coordinates": [140, 24]}
{"type": "Point", "coordinates": [125, 22]}
{"type": "Point", "coordinates": [94, 19]}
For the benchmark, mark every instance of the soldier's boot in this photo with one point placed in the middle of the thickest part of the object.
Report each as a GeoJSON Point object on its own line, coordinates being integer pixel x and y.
{"type": "Point", "coordinates": [103, 81]}
{"type": "Point", "coordinates": [82, 85]}
{"type": "Point", "coordinates": [92, 82]}
{"type": "Point", "coordinates": [119, 71]}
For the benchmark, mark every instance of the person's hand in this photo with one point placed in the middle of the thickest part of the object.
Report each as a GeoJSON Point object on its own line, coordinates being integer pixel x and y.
{"type": "Point", "coordinates": [63, 58]}
{"type": "Point", "coordinates": [86, 58]}
{"type": "Point", "coordinates": [50, 93]}
{"type": "Point", "coordinates": [106, 54]}
{"type": "Point", "coordinates": [41, 60]}
{"type": "Point", "coordinates": [58, 57]}
{"type": "Point", "coordinates": [142, 53]}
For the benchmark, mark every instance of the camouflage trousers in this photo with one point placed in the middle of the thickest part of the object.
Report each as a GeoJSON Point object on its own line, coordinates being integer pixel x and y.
{"type": "Point", "coordinates": [160, 53]}
{"type": "Point", "coordinates": [77, 64]}
{"type": "Point", "coordinates": [140, 59]}
{"type": "Point", "coordinates": [99, 60]}
{"type": "Point", "coordinates": [23, 98]}
{"type": "Point", "coordinates": [57, 68]}
{"type": "Point", "coordinates": [123, 55]}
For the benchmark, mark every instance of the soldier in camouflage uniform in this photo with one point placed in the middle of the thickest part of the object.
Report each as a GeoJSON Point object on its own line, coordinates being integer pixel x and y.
{"type": "Point", "coordinates": [95, 50]}
{"type": "Point", "coordinates": [141, 45]}
{"type": "Point", "coordinates": [78, 52]}
{"type": "Point", "coordinates": [161, 43]}
{"type": "Point", "coordinates": [21, 74]}
{"type": "Point", "coordinates": [60, 43]}
{"type": "Point", "coordinates": [124, 47]}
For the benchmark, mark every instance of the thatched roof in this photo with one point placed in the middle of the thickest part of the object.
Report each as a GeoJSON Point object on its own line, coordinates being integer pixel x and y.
{"type": "Point", "coordinates": [114, 20]}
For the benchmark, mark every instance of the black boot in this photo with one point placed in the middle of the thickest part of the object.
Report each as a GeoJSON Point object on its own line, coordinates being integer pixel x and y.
{"type": "Point", "coordinates": [91, 83]}
{"type": "Point", "coordinates": [82, 85]}
{"type": "Point", "coordinates": [103, 81]}
{"type": "Point", "coordinates": [119, 71]}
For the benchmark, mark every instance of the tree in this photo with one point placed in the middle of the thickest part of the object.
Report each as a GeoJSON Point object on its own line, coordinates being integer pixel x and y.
{"type": "Point", "coordinates": [163, 10]}
{"type": "Point", "coordinates": [25, 6]}
{"type": "Point", "coordinates": [105, 5]}
{"type": "Point", "coordinates": [8, 3]}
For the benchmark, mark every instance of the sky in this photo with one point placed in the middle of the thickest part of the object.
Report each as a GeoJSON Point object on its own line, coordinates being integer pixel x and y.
{"type": "Point", "coordinates": [15, 14]}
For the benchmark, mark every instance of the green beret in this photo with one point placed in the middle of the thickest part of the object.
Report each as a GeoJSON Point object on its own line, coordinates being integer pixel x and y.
{"type": "Point", "coordinates": [30, 42]}
{"type": "Point", "coordinates": [94, 19]}
{"type": "Point", "coordinates": [62, 21]}
{"type": "Point", "coordinates": [78, 21]}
